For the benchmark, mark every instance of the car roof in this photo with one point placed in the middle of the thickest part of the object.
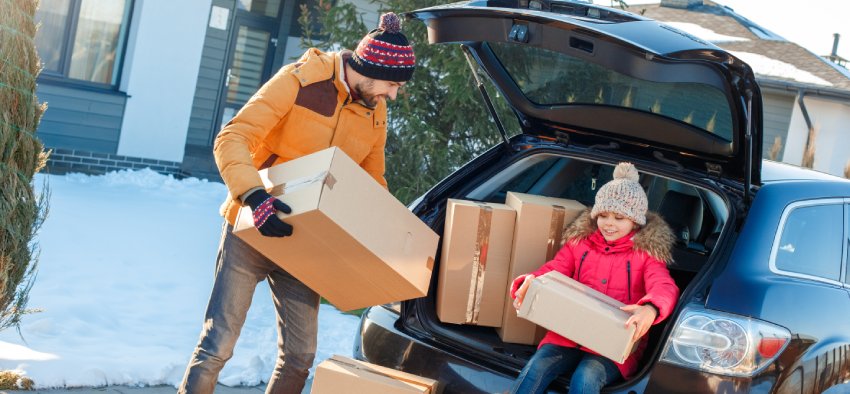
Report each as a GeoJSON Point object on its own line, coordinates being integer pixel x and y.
{"type": "Point", "coordinates": [772, 171]}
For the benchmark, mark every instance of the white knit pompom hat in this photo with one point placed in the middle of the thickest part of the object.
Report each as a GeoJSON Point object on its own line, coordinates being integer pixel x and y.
{"type": "Point", "coordinates": [622, 195]}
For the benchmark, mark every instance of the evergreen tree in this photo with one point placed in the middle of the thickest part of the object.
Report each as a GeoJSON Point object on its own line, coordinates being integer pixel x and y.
{"type": "Point", "coordinates": [439, 120]}
{"type": "Point", "coordinates": [21, 156]}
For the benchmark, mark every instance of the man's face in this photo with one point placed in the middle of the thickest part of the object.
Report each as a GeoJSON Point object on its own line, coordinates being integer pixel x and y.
{"type": "Point", "coordinates": [371, 91]}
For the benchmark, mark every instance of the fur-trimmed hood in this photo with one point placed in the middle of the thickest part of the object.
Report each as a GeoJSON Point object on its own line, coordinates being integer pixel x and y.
{"type": "Point", "coordinates": [654, 238]}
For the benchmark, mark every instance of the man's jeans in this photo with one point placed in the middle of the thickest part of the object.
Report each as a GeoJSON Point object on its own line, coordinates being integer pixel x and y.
{"type": "Point", "coordinates": [238, 270]}
{"type": "Point", "coordinates": [590, 372]}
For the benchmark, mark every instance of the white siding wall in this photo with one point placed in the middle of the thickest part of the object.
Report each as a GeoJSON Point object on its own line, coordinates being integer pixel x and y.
{"type": "Point", "coordinates": [796, 142]}
{"type": "Point", "coordinates": [160, 72]}
{"type": "Point", "coordinates": [832, 119]}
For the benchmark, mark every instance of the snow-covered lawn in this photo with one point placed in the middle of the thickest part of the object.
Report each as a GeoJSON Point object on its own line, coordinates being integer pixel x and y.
{"type": "Point", "coordinates": [125, 271]}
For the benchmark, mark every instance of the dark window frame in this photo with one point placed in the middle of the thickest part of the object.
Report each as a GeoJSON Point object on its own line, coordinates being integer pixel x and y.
{"type": "Point", "coordinates": [845, 271]}
{"type": "Point", "coordinates": [61, 77]}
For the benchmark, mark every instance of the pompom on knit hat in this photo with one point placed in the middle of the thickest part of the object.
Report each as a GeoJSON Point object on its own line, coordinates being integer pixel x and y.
{"type": "Point", "coordinates": [385, 53]}
{"type": "Point", "coordinates": [622, 195]}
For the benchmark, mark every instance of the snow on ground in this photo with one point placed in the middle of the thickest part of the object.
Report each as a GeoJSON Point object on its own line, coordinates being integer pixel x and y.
{"type": "Point", "coordinates": [125, 272]}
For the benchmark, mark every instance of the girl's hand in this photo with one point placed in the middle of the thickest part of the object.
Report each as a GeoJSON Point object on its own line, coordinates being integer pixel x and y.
{"type": "Point", "coordinates": [642, 318]}
{"type": "Point", "coordinates": [520, 293]}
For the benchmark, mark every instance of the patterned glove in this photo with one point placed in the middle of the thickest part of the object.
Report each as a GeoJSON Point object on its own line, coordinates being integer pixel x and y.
{"type": "Point", "coordinates": [263, 206]}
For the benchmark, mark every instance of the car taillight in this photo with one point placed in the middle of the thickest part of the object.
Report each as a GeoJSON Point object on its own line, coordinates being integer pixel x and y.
{"type": "Point", "coordinates": [723, 343]}
{"type": "Point", "coordinates": [771, 347]}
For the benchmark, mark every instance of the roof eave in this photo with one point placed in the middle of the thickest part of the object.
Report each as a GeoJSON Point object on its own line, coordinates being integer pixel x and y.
{"type": "Point", "coordinates": [807, 88]}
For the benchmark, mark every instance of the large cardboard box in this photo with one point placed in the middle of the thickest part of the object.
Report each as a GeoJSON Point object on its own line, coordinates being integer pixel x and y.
{"type": "Point", "coordinates": [538, 235]}
{"type": "Point", "coordinates": [353, 242]}
{"type": "Point", "coordinates": [575, 311]}
{"type": "Point", "coordinates": [343, 375]}
{"type": "Point", "coordinates": [474, 262]}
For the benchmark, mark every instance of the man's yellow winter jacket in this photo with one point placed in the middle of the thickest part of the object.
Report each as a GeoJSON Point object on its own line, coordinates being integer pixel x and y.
{"type": "Point", "coordinates": [304, 108]}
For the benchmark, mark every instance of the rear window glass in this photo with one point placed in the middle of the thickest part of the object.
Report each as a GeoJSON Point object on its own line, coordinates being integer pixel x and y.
{"type": "Point", "coordinates": [811, 241]}
{"type": "Point", "coordinates": [552, 78]}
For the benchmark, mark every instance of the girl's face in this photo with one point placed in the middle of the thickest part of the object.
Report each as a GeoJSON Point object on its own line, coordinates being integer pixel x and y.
{"type": "Point", "coordinates": [614, 225]}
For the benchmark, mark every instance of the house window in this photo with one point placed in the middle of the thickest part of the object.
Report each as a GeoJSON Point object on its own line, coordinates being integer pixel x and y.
{"type": "Point", "coordinates": [82, 40]}
{"type": "Point", "coordinates": [262, 7]}
{"type": "Point", "coordinates": [296, 30]}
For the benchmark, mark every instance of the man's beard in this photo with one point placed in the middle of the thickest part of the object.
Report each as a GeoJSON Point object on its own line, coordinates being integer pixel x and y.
{"type": "Point", "coordinates": [363, 90]}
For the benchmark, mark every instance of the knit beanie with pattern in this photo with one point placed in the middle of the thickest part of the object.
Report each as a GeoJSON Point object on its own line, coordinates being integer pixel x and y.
{"type": "Point", "coordinates": [622, 195]}
{"type": "Point", "coordinates": [385, 53]}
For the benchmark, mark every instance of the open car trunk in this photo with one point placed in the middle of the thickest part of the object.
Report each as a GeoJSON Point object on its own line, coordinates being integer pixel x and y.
{"type": "Point", "coordinates": [696, 214]}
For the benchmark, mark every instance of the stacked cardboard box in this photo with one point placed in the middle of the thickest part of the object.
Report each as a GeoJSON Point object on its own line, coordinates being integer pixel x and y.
{"type": "Point", "coordinates": [343, 375]}
{"type": "Point", "coordinates": [353, 242]}
{"type": "Point", "coordinates": [584, 315]}
{"type": "Point", "coordinates": [474, 262]}
{"type": "Point", "coordinates": [538, 235]}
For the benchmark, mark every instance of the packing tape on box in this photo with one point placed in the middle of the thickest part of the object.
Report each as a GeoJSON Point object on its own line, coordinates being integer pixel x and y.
{"type": "Point", "coordinates": [366, 368]}
{"type": "Point", "coordinates": [479, 264]}
{"type": "Point", "coordinates": [288, 187]}
{"type": "Point", "coordinates": [556, 231]}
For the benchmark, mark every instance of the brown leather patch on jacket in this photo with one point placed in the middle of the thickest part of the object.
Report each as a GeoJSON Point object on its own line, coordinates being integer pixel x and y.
{"type": "Point", "coordinates": [319, 97]}
{"type": "Point", "coordinates": [268, 163]}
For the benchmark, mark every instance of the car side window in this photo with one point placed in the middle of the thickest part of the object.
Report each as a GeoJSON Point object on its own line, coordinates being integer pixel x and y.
{"type": "Point", "coordinates": [811, 241]}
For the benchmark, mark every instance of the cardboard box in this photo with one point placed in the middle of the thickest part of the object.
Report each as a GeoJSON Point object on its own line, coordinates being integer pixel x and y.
{"type": "Point", "coordinates": [575, 311]}
{"type": "Point", "coordinates": [538, 235]}
{"type": "Point", "coordinates": [353, 242]}
{"type": "Point", "coordinates": [476, 252]}
{"type": "Point", "coordinates": [343, 375]}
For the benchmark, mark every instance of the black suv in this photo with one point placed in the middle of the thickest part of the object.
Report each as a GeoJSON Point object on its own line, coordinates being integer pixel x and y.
{"type": "Point", "coordinates": [762, 249]}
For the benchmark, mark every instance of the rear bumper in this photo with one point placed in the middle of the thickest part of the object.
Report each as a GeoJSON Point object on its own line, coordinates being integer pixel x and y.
{"type": "Point", "coordinates": [380, 342]}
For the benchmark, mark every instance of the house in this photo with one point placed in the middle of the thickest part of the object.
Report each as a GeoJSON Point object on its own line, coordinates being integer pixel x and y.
{"type": "Point", "coordinates": [801, 90]}
{"type": "Point", "coordinates": [148, 83]}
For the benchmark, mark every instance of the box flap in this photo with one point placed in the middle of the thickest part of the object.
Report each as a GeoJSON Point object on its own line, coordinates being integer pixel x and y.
{"type": "Point", "coordinates": [423, 383]}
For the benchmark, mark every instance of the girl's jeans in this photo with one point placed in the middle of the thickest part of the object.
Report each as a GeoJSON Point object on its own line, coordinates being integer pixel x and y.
{"type": "Point", "coordinates": [590, 372]}
{"type": "Point", "coordinates": [238, 270]}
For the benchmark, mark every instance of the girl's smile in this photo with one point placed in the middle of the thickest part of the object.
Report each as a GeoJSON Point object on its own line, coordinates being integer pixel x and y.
{"type": "Point", "coordinates": [614, 226]}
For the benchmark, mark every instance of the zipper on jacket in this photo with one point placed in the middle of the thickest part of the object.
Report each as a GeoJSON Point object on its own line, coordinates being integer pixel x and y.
{"type": "Point", "coordinates": [629, 276]}
{"type": "Point", "coordinates": [338, 117]}
{"type": "Point", "coordinates": [578, 272]}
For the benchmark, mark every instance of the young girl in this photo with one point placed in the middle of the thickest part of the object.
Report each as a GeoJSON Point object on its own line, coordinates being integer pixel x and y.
{"type": "Point", "coordinates": [618, 249]}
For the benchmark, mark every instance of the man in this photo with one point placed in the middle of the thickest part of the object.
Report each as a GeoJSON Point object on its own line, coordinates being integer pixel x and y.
{"type": "Point", "coordinates": [324, 99]}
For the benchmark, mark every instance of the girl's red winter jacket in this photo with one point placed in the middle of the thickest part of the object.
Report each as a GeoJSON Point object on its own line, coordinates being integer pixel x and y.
{"type": "Point", "coordinates": [631, 269]}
